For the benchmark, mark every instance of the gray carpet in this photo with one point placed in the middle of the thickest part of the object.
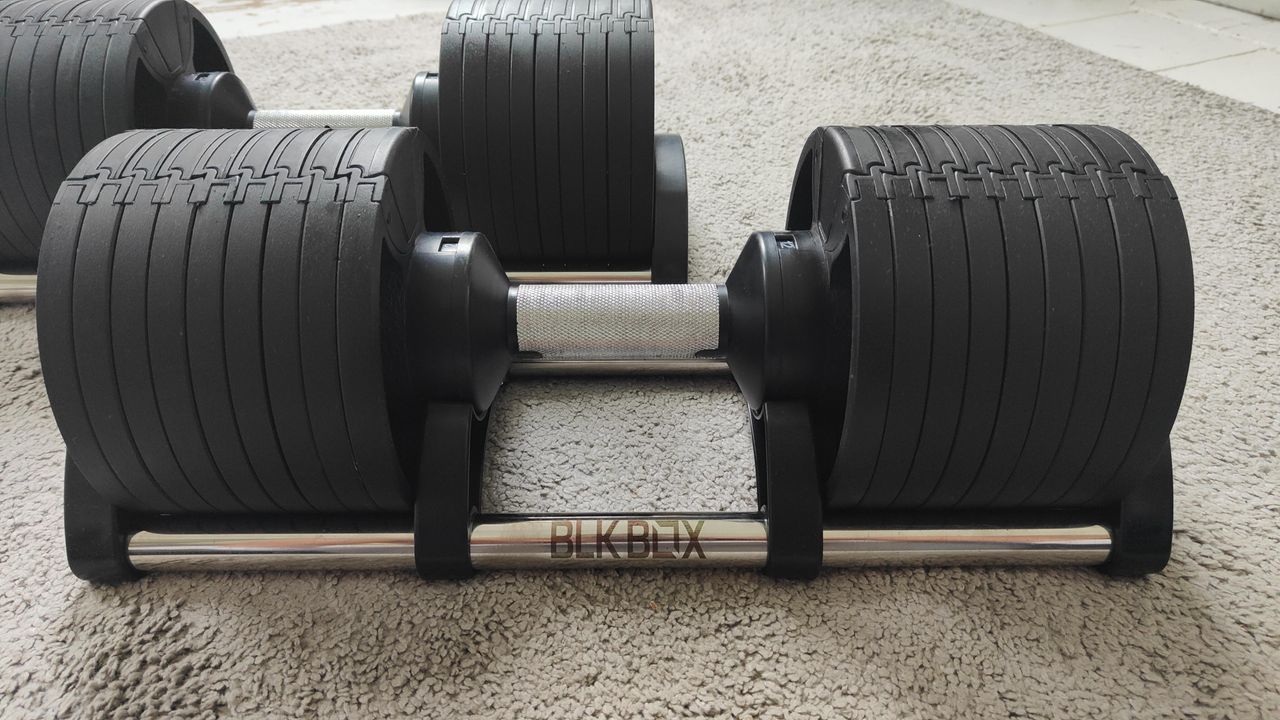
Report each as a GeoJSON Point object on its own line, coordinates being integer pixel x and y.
{"type": "Point", "coordinates": [744, 83]}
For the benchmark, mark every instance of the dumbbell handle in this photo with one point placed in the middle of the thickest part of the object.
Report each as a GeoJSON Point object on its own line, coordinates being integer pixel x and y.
{"type": "Point", "coordinates": [272, 119]}
{"type": "Point", "coordinates": [637, 322]}
{"type": "Point", "coordinates": [593, 541]}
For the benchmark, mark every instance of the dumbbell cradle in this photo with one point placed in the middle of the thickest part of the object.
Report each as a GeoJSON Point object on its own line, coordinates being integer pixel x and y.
{"type": "Point", "coordinates": [969, 344]}
{"type": "Point", "coordinates": [662, 329]}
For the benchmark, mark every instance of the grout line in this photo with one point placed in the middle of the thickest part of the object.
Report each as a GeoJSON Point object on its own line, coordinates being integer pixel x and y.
{"type": "Point", "coordinates": [1213, 59]}
{"type": "Point", "coordinates": [1130, 11]}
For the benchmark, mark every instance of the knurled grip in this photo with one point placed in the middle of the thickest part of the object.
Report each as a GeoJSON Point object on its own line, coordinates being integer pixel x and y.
{"type": "Point", "coordinates": [617, 322]}
{"type": "Point", "coordinates": [274, 119]}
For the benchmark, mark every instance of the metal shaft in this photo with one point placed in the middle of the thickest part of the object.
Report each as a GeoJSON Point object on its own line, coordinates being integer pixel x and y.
{"type": "Point", "coordinates": [17, 288]}
{"type": "Point", "coordinates": [596, 541]}
{"type": "Point", "coordinates": [272, 119]}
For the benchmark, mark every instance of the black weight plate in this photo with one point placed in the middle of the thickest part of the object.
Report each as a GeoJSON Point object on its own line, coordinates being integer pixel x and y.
{"type": "Point", "coordinates": [475, 132]}
{"type": "Point", "coordinates": [1100, 326]}
{"type": "Point", "coordinates": [523, 179]}
{"type": "Point", "coordinates": [19, 92]}
{"type": "Point", "coordinates": [91, 319]}
{"type": "Point", "coordinates": [124, 59]}
{"type": "Point", "coordinates": [546, 128]}
{"type": "Point", "coordinates": [618, 135]}
{"type": "Point", "coordinates": [57, 347]}
{"type": "Point", "coordinates": [643, 172]}
{"type": "Point", "coordinates": [317, 322]}
{"type": "Point", "coordinates": [129, 349]}
{"type": "Point", "coordinates": [28, 62]}
{"type": "Point", "coordinates": [1138, 324]}
{"type": "Point", "coordinates": [111, 158]}
{"type": "Point", "coordinates": [43, 109]}
{"type": "Point", "coordinates": [1024, 349]}
{"type": "Point", "coordinates": [595, 139]}
{"type": "Point", "coordinates": [242, 324]}
{"type": "Point", "coordinates": [67, 100]}
{"type": "Point", "coordinates": [912, 323]}
{"type": "Point", "coordinates": [1177, 308]}
{"type": "Point", "coordinates": [1129, 151]}
{"type": "Point", "coordinates": [166, 335]}
{"type": "Point", "coordinates": [452, 148]}
{"type": "Point", "coordinates": [206, 262]}
{"type": "Point", "coordinates": [988, 329]}
{"type": "Point", "coordinates": [130, 273]}
{"type": "Point", "coordinates": [281, 329]}
{"type": "Point", "coordinates": [1137, 314]}
{"type": "Point", "coordinates": [1175, 294]}
{"type": "Point", "coordinates": [872, 274]}
{"type": "Point", "coordinates": [14, 9]}
{"type": "Point", "coordinates": [281, 353]}
{"type": "Point", "coordinates": [90, 105]}
{"type": "Point", "coordinates": [21, 197]}
{"type": "Point", "coordinates": [571, 160]}
{"type": "Point", "coordinates": [498, 117]}
{"type": "Point", "coordinates": [1063, 325]}
{"type": "Point", "coordinates": [948, 355]}
{"type": "Point", "coordinates": [1059, 326]}
{"type": "Point", "coordinates": [369, 296]}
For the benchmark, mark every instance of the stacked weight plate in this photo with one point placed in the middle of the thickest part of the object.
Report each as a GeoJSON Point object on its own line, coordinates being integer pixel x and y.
{"type": "Point", "coordinates": [204, 348]}
{"type": "Point", "coordinates": [547, 121]}
{"type": "Point", "coordinates": [1022, 307]}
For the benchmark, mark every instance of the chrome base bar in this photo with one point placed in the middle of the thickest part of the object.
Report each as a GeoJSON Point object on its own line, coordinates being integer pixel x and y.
{"type": "Point", "coordinates": [639, 541]}
{"type": "Point", "coordinates": [17, 288]}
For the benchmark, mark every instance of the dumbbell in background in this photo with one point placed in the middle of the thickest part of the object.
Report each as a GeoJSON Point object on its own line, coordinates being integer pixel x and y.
{"type": "Point", "coordinates": [962, 328]}
{"type": "Point", "coordinates": [538, 130]}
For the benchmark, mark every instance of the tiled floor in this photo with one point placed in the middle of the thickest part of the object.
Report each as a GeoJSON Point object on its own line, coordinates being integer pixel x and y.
{"type": "Point", "coordinates": [1226, 51]}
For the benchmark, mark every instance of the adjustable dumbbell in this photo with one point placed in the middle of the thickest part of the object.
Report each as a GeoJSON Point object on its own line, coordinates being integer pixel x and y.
{"type": "Point", "coordinates": [968, 346]}
{"type": "Point", "coordinates": [538, 129]}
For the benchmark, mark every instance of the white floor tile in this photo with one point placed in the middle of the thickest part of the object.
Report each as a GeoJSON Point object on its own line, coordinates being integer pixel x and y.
{"type": "Point", "coordinates": [1261, 30]}
{"type": "Point", "coordinates": [1045, 12]}
{"type": "Point", "coordinates": [1196, 12]}
{"type": "Point", "coordinates": [1253, 78]}
{"type": "Point", "coordinates": [1149, 41]}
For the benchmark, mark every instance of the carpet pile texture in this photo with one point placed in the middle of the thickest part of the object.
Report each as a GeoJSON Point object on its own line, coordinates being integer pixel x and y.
{"type": "Point", "coordinates": [744, 82]}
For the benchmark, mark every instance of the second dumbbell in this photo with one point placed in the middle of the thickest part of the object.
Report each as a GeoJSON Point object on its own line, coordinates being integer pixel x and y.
{"type": "Point", "coordinates": [538, 129]}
